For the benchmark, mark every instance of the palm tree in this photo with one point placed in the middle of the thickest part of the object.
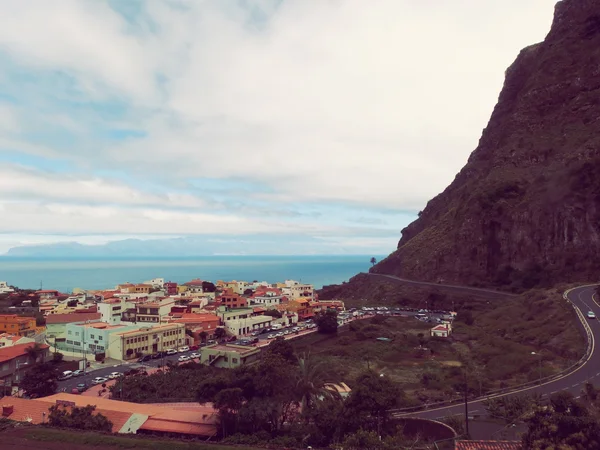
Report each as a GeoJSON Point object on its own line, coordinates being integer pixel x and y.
{"type": "Point", "coordinates": [34, 351]}
{"type": "Point", "coordinates": [373, 261]}
{"type": "Point", "coordinates": [203, 335]}
{"type": "Point", "coordinates": [310, 383]}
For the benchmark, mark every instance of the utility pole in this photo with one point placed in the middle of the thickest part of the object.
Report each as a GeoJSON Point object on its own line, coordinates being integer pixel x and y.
{"type": "Point", "coordinates": [466, 405]}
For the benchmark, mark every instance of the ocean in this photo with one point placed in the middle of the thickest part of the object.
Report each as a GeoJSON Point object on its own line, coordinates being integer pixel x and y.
{"type": "Point", "coordinates": [101, 273]}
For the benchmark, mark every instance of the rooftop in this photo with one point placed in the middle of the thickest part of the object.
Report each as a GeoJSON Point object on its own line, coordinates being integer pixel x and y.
{"type": "Point", "coordinates": [146, 329]}
{"type": "Point", "coordinates": [14, 351]}
{"type": "Point", "coordinates": [102, 326]}
{"type": "Point", "coordinates": [488, 445]}
{"type": "Point", "coordinates": [71, 318]}
{"type": "Point", "coordinates": [232, 348]}
{"type": "Point", "coordinates": [112, 300]}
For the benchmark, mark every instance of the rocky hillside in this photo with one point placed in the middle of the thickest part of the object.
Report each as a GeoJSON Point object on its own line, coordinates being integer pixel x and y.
{"type": "Point", "coordinates": [525, 209]}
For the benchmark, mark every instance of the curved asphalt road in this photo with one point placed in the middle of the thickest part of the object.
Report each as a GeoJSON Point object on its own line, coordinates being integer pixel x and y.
{"type": "Point", "coordinates": [573, 381]}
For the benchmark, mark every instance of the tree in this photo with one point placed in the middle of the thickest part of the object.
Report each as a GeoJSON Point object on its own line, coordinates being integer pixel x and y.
{"type": "Point", "coordinates": [203, 335]}
{"type": "Point", "coordinates": [281, 348]}
{"type": "Point", "coordinates": [72, 303]}
{"type": "Point", "coordinates": [228, 402]}
{"type": "Point", "coordinates": [207, 286]}
{"type": "Point", "coordinates": [57, 357]}
{"type": "Point", "coordinates": [310, 383]}
{"type": "Point", "coordinates": [563, 424]}
{"type": "Point", "coordinates": [248, 292]}
{"type": "Point", "coordinates": [373, 261]}
{"type": "Point", "coordinates": [273, 313]}
{"type": "Point", "coordinates": [220, 333]}
{"type": "Point", "coordinates": [34, 352]}
{"type": "Point", "coordinates": [327, 321]}
{"type": "Point", "coordinates": [80, 418]}
{"type": "Point", "coordinates": [40, 380]}
{"type": "Point", "coordinates": [514, 408]}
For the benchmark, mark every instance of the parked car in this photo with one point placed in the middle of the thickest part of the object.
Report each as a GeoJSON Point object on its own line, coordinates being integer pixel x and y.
{"type": "Point", "coordinates": [211, 342]}
{"type": "Point", "coordinates": [65, 375]}
{"type": "Point", "coordinates": [115, 375]}
{"type": "Point", "coordinates": [195, 355]}
{"type": "Point", "coordinates": [270, 336]}
{"type": "Point", "coordinates": [77, 373]}
{"type": "Point", "coordinates": [158, 355]}
{"type": "Point", "coordinates": [183, 358]}
{"type": "Point", "coordinates": [280, 334]}
{"type": "Point", "coordinates": [81, 387]}
{"type": "Point", "coordinates": [171, 351]}
{"type": "Point", "coordinates": [99, 380]}
{"type": "Point", "coordinates": [194, 347]}
{"type": "Point", "coordinates": [255, 333]}
{"type": "Point", "coordinates": [183, 349]}
{"type": "Point", "coordinates": [145, 358]}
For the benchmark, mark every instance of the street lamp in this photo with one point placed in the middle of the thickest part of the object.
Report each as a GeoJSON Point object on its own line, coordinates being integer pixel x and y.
{"type": "Point", "coordinates": [540, 361]}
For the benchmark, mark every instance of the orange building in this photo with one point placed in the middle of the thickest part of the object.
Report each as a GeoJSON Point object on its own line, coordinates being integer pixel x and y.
{"type": "Point", "coordinates": [22, 326]}
{"type": "Point", "coordinates": [232, 300]}
{"type": "Point", "coordinates": [197, 323]}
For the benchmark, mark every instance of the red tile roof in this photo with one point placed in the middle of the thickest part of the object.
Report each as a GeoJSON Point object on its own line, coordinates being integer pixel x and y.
{"type": "Point", "coordinates": [14, 351]}
{"type": "Point", "coordinates": [195, 282]}
{"type": "Point", "coordinates": [488, 445]}
{"type": "Point", "coordinates": [71, 318]}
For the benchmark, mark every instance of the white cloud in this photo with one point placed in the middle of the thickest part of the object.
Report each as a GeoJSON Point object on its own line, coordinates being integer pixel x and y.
{"type": "Point", "coordinates": [373, 103]}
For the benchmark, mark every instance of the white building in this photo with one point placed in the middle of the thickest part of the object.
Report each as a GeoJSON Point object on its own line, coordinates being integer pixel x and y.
{"type": "Point", "coordinates": [111, 310]}
{"type": "Point", "coordinates": [157, 283]}
{"type": "Point", "coordinates": [294, 289]}
{"type": "Point", "coordinates": [268, 301]}
{"type": "Point", "coordinates": [239, 327]}
{"type": "Point", "coordinates": [5, 288]}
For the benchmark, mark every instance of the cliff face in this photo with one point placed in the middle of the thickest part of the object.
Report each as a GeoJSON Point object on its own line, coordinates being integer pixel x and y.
{"type": "Point", "coordinates": [525, 209]}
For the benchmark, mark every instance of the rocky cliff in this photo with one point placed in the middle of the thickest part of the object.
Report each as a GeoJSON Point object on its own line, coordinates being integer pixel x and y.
{"type": "Point", "coordinates": [525, 209]}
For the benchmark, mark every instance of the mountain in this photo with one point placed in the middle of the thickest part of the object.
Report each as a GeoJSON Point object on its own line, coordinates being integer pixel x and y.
{"type": "Point", "coordinates": [525, 209]}
{"type": "Point", "coordinates": [184, 246]}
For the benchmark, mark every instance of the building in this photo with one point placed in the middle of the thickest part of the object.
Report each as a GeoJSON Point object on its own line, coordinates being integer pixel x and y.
{"type": "Point", "coordinates": [193, 287]}
{"type": "Point", "coordinates": [295, 290]}
{"type": "Point", "coordinates": [128, 418]}
{"type": "Point", "coordinates": [5, 288]}
{"type": "Point", "coordinates": [15, 361]}
{"type": "Point", "coordinates": [156, 283]}
{"type": "Point", "coordinates": [170, 288]}
{"type": "Point", "coordinates": [8, 340]}
{"type": "Point", "coordinates": [111, 310]}
{"type": "Point", "coordinates": [443, 330]}
{"type": "Point", "coordinates": [56, 324]}
{"type": "Point", "coordinates": [92, 338]}
{"type": "Point", "coordinates": [47, 293]}
{"type": "Point", "coordinates": [142, 288]}
{"type": "Point", "coordinates": [341, 389]}
{"type": "Point", "coordinates": [21, 326]}
{"type": "Point", "coordinates": [232, 299]}
{"type": "Point", "coordinates": [197, 323]}
{"type": "Point", "coordinates": [302, 307]}
{"type": "Point", "coordinates": [240, 327]}
{"type": "Point", "coordinates": [268, 301]}
{"type": "Point", "coordinates": [153, 311]}
{"type": "Point", "coordinates": [129, 344]}
{"type": "Point", "coordinates": [229, 356]}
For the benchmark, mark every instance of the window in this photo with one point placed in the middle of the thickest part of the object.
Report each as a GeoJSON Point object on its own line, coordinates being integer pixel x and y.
{"type": "Point", "coordinates": [100, 338]}
{"type": "Point", "coordinates": [225, 358]}
{"type": "Point", "coordinates": [76, 343]}
{"type": "Point", "coordinates": [92, 336]}
{"type": "Point", "coordinates": [234, 360]}
{"type": "Point", "coordinates": [69, 332]}
{"type": "Point", "coordinates": [77, 333]}
{"type": "Point", "coordinates": [70, 342]}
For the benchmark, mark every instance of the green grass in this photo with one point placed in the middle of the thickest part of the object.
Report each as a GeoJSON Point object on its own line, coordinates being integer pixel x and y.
{"type": "Point", "coordinates": [143, 443]}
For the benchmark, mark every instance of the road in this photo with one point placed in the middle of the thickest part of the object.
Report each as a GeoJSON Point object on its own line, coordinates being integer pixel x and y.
{"type": "Point", "coordinates": [582, 298]}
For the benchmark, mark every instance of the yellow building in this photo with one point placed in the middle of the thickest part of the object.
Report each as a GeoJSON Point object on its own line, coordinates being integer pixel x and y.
{"type": "Point", "coordinates": [17, 325]}
{"type": "Point", "coordinates": [146, 341]}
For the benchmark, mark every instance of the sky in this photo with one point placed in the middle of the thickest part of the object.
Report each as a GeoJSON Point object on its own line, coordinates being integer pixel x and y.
{"type": "Point", "coordinates": [331, 119]}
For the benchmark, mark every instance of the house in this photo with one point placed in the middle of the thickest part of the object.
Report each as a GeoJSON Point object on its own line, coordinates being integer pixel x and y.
{"type": "Point", "coordinates": [181, 418]}
{"type": "Point", "coordinates": [154, 311]}
{"type": "Point", "coordinates": [295, 290]}
{"type": "Point", "coordinates": [22, 326]}
{"type": "Point", "coordinates": [242, 321]}
{"type": "Point", "coordinates": [342, 389]}
{"type": "Point", "coordinates": [128, 344]}
{"type": "Point", "coordinates": [232, 300]}
{"type": "Point", "coordinates": [229, 356]}
{"type": "Point", "coordinates": [56, 324]}
{"type": "Point", "coordinates": [266, 300]}
{"type": "Point", "coordinates": [47, 293]}
{"type": "Point", "coordinates": [15, 361]}
{"type": "Point", "coordinates": [488, 445]}
{"type": "Point", "coordinates": [5, 288]}
{"type": "Point", "coordinates": [193, 287]}
{"type": "Point", "coordinates": [7, 340]}
{"type": "Point", "coordinates": [170, 288]}
{"type": "Point", "coordinates": [196, 323]}
{"type": "Point", "coordinates": [301, 307]}
{"type": "Point", "coordinates": [443, 330]}
{"type": "Point", "coordinates": [156, 283]}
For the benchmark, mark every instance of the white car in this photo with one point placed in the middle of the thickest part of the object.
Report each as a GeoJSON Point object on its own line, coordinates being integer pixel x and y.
{"type": "Point", "coordinates": [183, 349]}
{"type": "Point", "coordinates": [183, 358]}
{"type": "Point", "coordinates": [99, 380]}
{"type": "Point", "coordinates": [591, 315]}
{"type": "Point", "coordinates": [115, 375]}
{"type": "Point", "coordinates": [195, 355]}
{"type": "Point", "coordinates": [271, 336]}
{"type": "Point", "coordinates": [171, 351]}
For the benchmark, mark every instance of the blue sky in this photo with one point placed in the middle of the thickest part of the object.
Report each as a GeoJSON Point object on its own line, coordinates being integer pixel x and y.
{"type": "Point", "coordinates": [274, 118]}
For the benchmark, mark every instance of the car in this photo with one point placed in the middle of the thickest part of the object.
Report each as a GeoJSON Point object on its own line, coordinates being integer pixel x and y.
{"type": "Point", "coordinates": [286, 332]}
{"type": "Point", "coordinates": [115, 375]}
{"type": "Point", "coordinates": [183, 349]}
{"type": "Point", "coordinates": [158, 355]}
{"type": "Point", "coordinates": [255, 333]}
{"type": "Point", "coordinates": [183, 358]}
{"type": "Point", "coordinates": [280, 334]}
{"type": "Point", "coordinates": [145, 358]}
{"type": "Point", "coordinates": [244, 341]}
{"type": "Point", "coordinates": [99, 380]}
{"type": "Point", "coordinates": [171, 351]}
{"type": "Point", "coordinates": [271, 336]}
{"type": "Point", "coordinates": [77, 373]}
{"type": "Point", "coordinates": [211, 342]}
{"type": "Point", "coordinates": [591, 315]}
{"type": "Point", "coordinates": [195, 355]}
{"type": "Point", "coordinates": [81, 387]}
{"type": "Point", "coordinates": [194, 347]}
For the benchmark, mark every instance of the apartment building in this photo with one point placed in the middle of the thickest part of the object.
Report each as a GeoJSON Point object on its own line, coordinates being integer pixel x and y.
{"type": "Point", "coordinates": [21, 326]}
{"type": "Point", "coordinates": [229, 356]}
{"type": "Point", "coordinates": [14, 363]}
{"type": "Point", "coordinates": [146, 340]}
{"type": "Point", "coordinates": [112, 309]}
{"type": "Point", "coordinates": [152, 312]}
{"type": "Point", "coordinates": [92, 338]}
{"type": "Point", "coordinates": [5, 288]}
{"type": "Point", "coordinates": [232, 299]}
{"type": "Point", "coordinates": [56, 324]}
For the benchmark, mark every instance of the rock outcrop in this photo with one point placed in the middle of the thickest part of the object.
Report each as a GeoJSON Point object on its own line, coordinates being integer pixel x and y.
{"type": "Point", "coordinates": [525, 209]}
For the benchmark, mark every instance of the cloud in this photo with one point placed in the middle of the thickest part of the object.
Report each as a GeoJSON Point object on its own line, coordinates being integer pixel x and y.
{"type": "Point", "coordinates": [297, 110]}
